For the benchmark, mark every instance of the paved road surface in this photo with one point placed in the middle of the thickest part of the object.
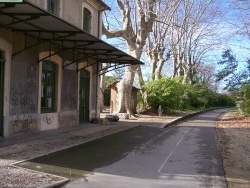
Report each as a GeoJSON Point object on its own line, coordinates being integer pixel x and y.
{"type": "Point", "coordinates": [183, 155]}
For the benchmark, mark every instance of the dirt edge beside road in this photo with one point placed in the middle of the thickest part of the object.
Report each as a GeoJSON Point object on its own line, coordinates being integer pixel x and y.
{"type": "Point", "coordinates": [233, 131]}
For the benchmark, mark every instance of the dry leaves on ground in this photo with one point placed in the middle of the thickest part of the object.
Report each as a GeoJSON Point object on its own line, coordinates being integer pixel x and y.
{"type": "Point", "coordinates": [234, 137]}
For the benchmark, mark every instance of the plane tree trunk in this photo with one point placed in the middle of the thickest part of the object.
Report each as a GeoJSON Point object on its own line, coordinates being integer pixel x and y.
{"type": "Point", "coordinates": [137, 21]}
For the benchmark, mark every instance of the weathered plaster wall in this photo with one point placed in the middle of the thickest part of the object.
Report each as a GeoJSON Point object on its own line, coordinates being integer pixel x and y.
{"type": "Point", "coordinates": [69, 90]}
{"type": "Point", "coordinates": [19, 78]}
{"type": "Point", "coordinates": [24, 83]}
{"type": "Point", "coordinates": [73, 13]}
{"type": "Point", "coordinates": [68, 118]}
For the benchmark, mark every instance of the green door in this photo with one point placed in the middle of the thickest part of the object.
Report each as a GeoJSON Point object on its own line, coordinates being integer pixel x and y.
{"type": "Point", "coordinates": [1, 91]}
{"type": "Point", "coordinates": [84, 96]}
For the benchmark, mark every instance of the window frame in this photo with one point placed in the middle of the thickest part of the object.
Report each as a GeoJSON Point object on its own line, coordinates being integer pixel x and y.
{"type": "Point", "coordinates": [87, 20]}
{"type": "Point", "coordinates": [48, 86]}
{"type": "Point", "coordinates": [51, 6]}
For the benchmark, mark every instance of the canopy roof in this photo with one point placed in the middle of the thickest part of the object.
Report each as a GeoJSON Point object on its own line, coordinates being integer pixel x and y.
{"type": "Point", "coordinates": [25, 17]}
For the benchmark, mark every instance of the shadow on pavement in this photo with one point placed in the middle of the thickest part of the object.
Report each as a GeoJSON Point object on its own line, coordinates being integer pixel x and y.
{"type": "Point", "coordinates": [100, 155]}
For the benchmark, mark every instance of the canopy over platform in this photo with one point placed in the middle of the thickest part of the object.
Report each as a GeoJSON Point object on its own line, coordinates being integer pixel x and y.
{"type": "Point", "coordinates": [24, 17]}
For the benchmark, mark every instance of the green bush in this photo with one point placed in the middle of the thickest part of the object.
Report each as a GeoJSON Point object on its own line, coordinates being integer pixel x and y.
{"type": "Point", "coordinates": [224, 100]}
{"type": "Point", "coordinates": [200, 96]}
{"type": "Point", "coordinates": [165, 92]}
{"type": "Point", "coordinates": [172, 95]}
{"type": "Point", "coordinates": [197, 95]}
{"type": "Point", "coordinates": [245, 105]}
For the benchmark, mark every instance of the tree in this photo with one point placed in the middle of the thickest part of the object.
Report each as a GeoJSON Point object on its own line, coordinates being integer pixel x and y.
{"type": "Point", "coordinates": [178, 30]}
{"type": "Point", "coordinates": [241, 9]}
{"type": "Point", "coordinates": [205, 74]}
{"type": "Point", "coordinates": [248, 66]}
{"type": "Point", "coordinates": [158, 40]}
{"type": "Point", "coordinates": [230, 74]}
{"type": "Point", "coordinates": [118, 73]}
{"type": "Point", "coordinates": [137, 21]}
{"type": "Point", "coordinates": [229, 60]}
{"type": "Point", "coordinates": [190, 36]}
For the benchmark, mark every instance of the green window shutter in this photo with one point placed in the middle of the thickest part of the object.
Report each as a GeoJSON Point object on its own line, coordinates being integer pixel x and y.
{"type": "Point", "coordinates": [48, 87]}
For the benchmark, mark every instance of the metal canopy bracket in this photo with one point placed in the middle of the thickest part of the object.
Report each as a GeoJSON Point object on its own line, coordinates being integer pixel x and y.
{"type": "Point", "coordinates": [76, 46]}
{"type": "Point", "coordinates": [19, 21]}
{"type": "Point", "coordinates": [26, 18]}
{"type": "Point", "coordinates": [114, 67]}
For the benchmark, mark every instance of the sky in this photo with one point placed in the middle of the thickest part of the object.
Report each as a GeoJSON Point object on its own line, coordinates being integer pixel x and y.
{"type": "Point", "coordinates": [239, 44]}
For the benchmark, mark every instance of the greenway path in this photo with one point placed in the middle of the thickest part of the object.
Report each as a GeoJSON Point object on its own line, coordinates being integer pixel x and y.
{"type": "Point", "coordinates": [183, 155]}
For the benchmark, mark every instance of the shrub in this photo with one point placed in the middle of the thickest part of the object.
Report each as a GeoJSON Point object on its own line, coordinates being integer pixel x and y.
{"type": "Point", "coordinates": [172, 95]}
{"type": "Point", "coordinates": [197, 95]}
{"type": "Point", "coordinates": [224, 100]}
{"type": "Point", "coordinates": [245, 105]}
{"type": "Point", "coordinates": [165, 92]}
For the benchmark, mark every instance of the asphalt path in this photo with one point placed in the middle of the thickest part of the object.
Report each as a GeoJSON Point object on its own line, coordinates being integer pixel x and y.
{"type": "Point", "coordinates": [183, 155]}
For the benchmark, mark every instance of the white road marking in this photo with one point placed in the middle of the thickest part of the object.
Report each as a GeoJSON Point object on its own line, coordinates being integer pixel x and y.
{"type": "Point", "coordinates": [179, 141]}
{"type": "Point", "coordinates": [181, 138]}
{"type": "Point", "coordinates": [187, 131]}
{"type": "Point", "coordinates": [165, 162]}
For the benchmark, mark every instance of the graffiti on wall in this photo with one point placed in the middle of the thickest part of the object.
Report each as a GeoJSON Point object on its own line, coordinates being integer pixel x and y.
{"type": "Point", "coordinates": [47, 120]}
{"type": "Point", "coordinates": [21, 123]}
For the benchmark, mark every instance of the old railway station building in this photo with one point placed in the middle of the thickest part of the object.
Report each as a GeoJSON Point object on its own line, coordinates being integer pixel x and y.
{"type": "Point", "coordinates": [51, 57]}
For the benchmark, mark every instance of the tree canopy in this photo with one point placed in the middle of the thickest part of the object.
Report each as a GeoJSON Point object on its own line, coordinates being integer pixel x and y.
{"type": "Point", "coordinates": [179, 35]}
{"type": "Point", "coordinates": [233, 78]}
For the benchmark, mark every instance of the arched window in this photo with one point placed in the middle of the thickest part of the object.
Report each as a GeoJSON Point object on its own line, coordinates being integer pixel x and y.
{"type": "Point", "coordinates": [48, 95]}
{"type": "Point", "coordinates": [87, 20]}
